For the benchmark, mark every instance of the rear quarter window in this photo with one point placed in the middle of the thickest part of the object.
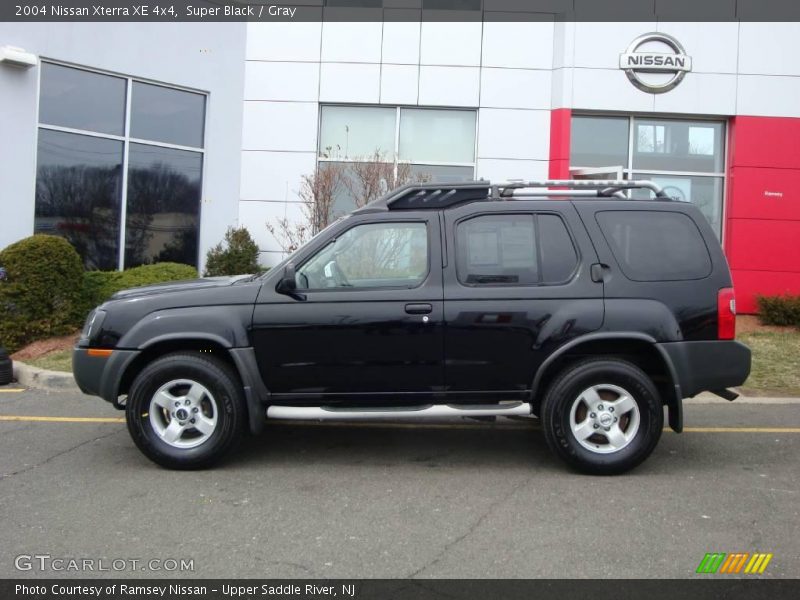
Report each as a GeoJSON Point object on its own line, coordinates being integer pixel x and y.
{"type": "Point", "coordinates": [655, 245]}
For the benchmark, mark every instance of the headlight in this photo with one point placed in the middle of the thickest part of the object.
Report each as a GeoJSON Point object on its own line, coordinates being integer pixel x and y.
{"type": "Point", "coordinates": [92, 326]}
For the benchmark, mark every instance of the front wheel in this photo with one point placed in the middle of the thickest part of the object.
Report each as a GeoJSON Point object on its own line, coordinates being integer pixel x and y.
{"type": "Point", "coordinates": [602, 416]}
{"type": "Point", "coordinates": [186, 411]}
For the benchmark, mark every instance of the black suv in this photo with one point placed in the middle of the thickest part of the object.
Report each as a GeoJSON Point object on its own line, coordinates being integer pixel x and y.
{"type": "Point", "coordinates": [560, 299]}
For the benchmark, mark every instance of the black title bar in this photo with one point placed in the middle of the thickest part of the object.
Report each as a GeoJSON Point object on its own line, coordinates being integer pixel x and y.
{"type": "Point", "coordinates": [399, 10]}
{"type": "Point", "coordinates": [708, 587]}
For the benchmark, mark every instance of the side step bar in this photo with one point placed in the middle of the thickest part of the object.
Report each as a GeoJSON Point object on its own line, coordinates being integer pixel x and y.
{"type": "Point", "coordinates": [326, 413]}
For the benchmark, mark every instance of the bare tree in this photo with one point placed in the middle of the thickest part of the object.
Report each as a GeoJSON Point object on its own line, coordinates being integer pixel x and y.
{"type": "Point", "coordinates": [364, 180]}
{"type": "Point", "coordinates": [318, 193]}
{"type": "Point", "coordinates": [372, 176]}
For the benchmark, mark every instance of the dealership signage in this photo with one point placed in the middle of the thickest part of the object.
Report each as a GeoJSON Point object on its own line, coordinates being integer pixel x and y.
{"type": "Point", "coordinates": [655, 62]}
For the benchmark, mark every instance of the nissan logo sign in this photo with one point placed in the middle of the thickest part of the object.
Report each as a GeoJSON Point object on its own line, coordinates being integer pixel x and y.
{"type": "Point", "coordinates": [648, 69]}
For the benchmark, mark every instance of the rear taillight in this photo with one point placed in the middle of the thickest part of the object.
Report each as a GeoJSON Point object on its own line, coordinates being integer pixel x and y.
{"type": "Point", "coordinates": [726, 314]}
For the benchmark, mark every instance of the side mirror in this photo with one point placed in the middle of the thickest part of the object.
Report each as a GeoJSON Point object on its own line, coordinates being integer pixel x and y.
{"type": "Point", "coordinates": [288, 282]}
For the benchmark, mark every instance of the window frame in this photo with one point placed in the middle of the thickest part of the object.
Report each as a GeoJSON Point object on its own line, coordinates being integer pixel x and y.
{"type": "Point", "coordinates": [395, 156]}
{"type": "Point", "coordinates": [629, 169]}
{"type": "Point", "coordinates": [126, 140]}
{"type": "Point", "coordinates": [406, 220]}
{"type": "Point", "coordinates": [538, 243]}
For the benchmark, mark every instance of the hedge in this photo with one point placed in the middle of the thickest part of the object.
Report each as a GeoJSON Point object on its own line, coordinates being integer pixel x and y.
{"type": "Point", "coordinates": [779, 310]}
{"type": "Point", "coordinates": [42, 295]}
{"type": "Point", "coordinates": [99, 286]}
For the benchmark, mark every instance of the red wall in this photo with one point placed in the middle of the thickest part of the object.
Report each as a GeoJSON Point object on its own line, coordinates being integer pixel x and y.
{"type": "Point", "coordinates": [762, 228]}
{"type": "Point", "coordinates": [560, 127]}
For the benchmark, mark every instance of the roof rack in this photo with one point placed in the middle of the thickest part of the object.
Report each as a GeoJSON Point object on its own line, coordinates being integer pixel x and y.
{"type": "Point", "coordinates": [445, 195]}
{"type": "Point", "coordinates": [595, 188]}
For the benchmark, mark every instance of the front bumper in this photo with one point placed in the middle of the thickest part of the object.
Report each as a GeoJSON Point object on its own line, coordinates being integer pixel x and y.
{"type": "Point", "coordinates": [99, 375]}
{"type": "Point", "coordinates": [708, 365]}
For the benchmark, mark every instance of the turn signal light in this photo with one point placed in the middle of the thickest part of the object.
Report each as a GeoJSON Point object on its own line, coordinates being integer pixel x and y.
{"type": "Point", "coordinates": [726, 314]}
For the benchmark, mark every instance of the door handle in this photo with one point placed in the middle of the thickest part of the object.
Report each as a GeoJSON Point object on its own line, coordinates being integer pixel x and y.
{"type": "Point", "coordinates": [419, 309]}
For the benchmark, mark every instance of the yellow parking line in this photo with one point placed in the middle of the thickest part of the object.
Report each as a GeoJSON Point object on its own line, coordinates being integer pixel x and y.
{"type": "Point", "coordinates": [741, 429]}
{"type": "Point", "coordinates": [63, 419]}
{"type": "Point", "coordinates": [11, 390]}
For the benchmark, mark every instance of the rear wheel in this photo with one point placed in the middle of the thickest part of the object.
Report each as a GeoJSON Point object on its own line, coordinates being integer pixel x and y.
{"type": "Point", "coordinates": [602, 416]}
{"type": "Point", "coordinates": [186, 411]}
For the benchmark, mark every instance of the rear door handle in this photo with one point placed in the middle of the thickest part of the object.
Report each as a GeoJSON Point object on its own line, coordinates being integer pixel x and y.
{"type": "Point", "coordinates": [419, 309]}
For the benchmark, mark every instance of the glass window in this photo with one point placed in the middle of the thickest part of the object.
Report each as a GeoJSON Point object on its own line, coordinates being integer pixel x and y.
{"type": "Point", "coordinates": [703, 192]}
{"type": "Point", "coordinates": [655, 245]}
{"type": "Point", "coordinates": [81, 188]}
{"type": "Point", "coordinates": [662, 145]}
{"type": "Point", "coordinates": [556, 251]}
{"type": "Point", "coordinates": [78, 186]}
{"type": "Point", "coordinates": [437, 135]}
{"type": "Point", "coordinates": [163, 214]}
{"type": "Point", "coordinates": [82, 100]}
{"type": "Point", "coordinates": [167, 115]}
{"type": "Point", "coordinates": [441, 174]}
{"type": "Point", "coordinates": [497, 250]}
{"type": "Point", "coordinates": [599, 142]}
{"type": "Point", "coordinates": [369, 256]}
{"type": "Point", "coordinates": [356, 132]}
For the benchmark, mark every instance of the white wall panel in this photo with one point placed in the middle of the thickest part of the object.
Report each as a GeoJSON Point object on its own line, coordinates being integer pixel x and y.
{"type": "Point", "coordinates": [499, 170]}
{"type": "Point", "coordinates": [769, 49]}
{"type": "Point", "coordinates": [563, 44]}
{"type": "Point", "coordinates": [700, 93]}
{"type": "Point", "coordinates": [561, 88]}
{"type": "Point", "coordinates": [450, 44]}
{"type": "Point", "coordinates": [281, 81]}
{"type": "Point", "coordinates": [275, 175]}
{"type": "Point", "coordinates": [449, 86]}
{"type": "Point", "coordinates": [712, 46]}
{"type": "Point", "coordinates": [401, 42]}
{"type": "Point", "coordinates": [349, 83]}
{"type": "Point", "coordinates": [515, 88]}
{"type": "Point", "coordinates": [607, 89]}
{"type": "Point", "coordinates": [256, 215]}
{"type": "Point", "coordinates": [524, 45]}
{"type": "Point", "coordinates": [768, 96]}
{"type": "Point", "coordinates": [351, 42]}
{"type": "Point", "coordinates": [296, 41]}
{"type": "Point", "coordinates": [598, 45]}
{"type": "Point", "coordinates": [399, 84]}
{"type": "Point", "coordinates": [507, 133]}
{"type": "Point", "coordinates": [284, 126]}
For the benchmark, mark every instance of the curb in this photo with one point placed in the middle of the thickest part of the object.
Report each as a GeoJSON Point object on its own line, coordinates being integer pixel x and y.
{"type": "Point", "coordinates": [43, 379]}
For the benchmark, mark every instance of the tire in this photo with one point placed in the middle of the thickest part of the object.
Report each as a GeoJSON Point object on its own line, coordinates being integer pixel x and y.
{"type": "Point", "coordinates": [602, 416]}
{"type": "Point", "coordinates": [186, 411]}
{"type": "Point", "coordinates": [6, 368]}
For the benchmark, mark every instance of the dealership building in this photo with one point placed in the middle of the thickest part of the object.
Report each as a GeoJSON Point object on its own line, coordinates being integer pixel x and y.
{"type": "Point", "coordinates": [143, 142]}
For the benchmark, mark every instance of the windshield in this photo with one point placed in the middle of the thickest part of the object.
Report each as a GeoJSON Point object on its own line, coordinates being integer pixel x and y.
{"type": "Point", "coordinates": [289, 258]}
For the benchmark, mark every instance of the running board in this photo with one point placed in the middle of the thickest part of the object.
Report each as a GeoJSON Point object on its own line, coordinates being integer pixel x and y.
{"type": "Point", "coordinates": [326, 413]}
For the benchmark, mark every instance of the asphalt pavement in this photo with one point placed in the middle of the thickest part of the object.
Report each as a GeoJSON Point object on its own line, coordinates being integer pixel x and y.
{"type": "Point", "coordinates": [454, 499]}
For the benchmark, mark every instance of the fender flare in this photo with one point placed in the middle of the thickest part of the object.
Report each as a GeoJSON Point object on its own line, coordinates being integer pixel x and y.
{"type": "Point", "coordinates": [674, 401]}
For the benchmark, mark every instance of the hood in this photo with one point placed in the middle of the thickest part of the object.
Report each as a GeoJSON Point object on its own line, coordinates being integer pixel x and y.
{"type": "Point", "coordinates": [188, 285]}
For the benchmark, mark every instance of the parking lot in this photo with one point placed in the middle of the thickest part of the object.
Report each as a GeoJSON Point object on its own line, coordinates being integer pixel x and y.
{"type": "Point", "coordinates": [455, 499]}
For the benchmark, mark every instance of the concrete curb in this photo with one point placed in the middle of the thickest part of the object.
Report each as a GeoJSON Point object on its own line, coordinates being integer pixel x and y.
{"type": "Point", "coordinates": [43, 379]}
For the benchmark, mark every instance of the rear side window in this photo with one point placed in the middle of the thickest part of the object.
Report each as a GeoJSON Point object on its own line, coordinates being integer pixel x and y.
{"type": "Point", "coordinates": [655, 245]}
{"type": "Point", "coordinates": [514, 249]}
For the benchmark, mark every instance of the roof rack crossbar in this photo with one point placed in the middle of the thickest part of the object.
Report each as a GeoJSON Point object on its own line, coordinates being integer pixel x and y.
{"type": "Point", "coordinates": [595, 187]}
